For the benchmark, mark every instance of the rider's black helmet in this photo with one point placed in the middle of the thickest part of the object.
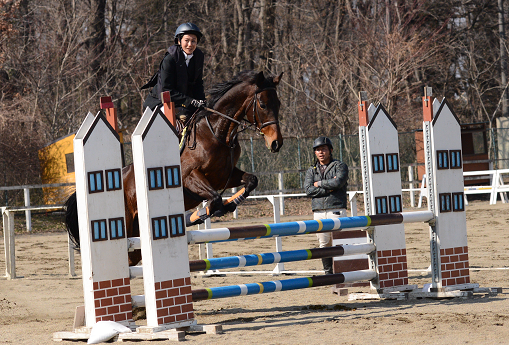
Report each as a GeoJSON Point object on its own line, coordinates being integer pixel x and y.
{"type": "Point", "coordinates": [322, 141]}
{"type": "Point", "coordinates": [187, 28]}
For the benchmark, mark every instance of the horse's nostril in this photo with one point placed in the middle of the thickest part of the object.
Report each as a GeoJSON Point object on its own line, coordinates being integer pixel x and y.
{"type": "Point", "coordinates": [275, 146]}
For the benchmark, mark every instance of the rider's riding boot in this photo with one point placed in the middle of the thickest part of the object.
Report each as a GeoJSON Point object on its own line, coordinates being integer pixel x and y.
{"type": "Point", "coordinates": [327, 265]}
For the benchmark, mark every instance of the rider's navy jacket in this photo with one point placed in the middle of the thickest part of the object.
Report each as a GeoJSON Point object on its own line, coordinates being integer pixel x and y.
{"type": "Point", "coordinates": [185, 83]}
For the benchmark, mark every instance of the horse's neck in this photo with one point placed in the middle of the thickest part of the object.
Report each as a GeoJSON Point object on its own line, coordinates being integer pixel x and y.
{"type": "Point", "coordinates": [223, 128]}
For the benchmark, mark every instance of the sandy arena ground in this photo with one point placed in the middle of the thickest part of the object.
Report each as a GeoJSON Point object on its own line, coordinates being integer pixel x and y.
{"type": "Point", "coordinates": [43, 301]}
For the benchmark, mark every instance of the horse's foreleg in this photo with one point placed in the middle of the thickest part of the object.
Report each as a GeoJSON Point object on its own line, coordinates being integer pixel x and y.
{"type": "Point", "coordinates": [239, 178]}
{"type": "Point", "coordinates": [132, 230]}
{"type": "Point", "coordinates": [197, 183]}
{"type": "Point", "coordinates": [131, 211]}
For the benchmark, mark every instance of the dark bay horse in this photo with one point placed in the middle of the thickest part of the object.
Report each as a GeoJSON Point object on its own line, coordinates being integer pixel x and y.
{"type": "Point", "coordinates": [212, 150]}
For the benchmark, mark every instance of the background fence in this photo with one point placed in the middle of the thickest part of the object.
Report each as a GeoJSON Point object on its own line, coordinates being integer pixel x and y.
{"type": "Point", "coordinates": [296, 156]}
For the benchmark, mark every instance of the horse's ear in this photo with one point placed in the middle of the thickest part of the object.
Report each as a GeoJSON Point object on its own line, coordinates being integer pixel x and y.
{"type": "Point", "coordinates": [277, 79]}
{"type": "Point", "coordinates": [260, 79]}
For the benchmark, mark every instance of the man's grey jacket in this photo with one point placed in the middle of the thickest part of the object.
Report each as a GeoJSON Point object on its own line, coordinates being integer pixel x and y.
{"type": "Point", "coordinates": [331, 193]}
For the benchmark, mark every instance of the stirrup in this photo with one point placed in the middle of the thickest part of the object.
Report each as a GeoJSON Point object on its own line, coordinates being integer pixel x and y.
{"type": "Point", "coordinates": [181, 144]}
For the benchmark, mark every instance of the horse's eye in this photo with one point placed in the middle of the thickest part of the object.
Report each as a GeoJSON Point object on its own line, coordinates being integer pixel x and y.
{"type": "Point", "coordinates": [262, 105]}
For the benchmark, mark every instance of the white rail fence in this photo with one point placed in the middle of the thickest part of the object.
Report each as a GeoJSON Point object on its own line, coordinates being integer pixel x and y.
{"type": "Point", "coordinates": [496, 187]}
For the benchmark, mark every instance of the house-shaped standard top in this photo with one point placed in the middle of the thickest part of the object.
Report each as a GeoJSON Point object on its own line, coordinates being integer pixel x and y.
{"type": "Point", "coordinates": [100, 201]}
{"type": "Point", "coordinates": [383, 162]}
{"type": "Point", "coordinates": [378, 136]}
{"type": "Point", "coordinates": [166, 274]}
{"type": "Point", "coordinates": [447, 184]}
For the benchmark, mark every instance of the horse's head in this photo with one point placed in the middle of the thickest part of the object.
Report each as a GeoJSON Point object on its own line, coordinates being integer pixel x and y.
{"type": "Point", "coordinates": [252, 97]}
{"type": "Point", "coordinates": [263, 110]}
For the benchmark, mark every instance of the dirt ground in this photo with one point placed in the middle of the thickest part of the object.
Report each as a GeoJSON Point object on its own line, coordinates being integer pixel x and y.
{"type": "Point", "coordinates": [32, 308]}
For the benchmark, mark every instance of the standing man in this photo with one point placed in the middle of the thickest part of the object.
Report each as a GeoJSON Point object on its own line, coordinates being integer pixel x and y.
{"type": "Point", "coordinates": [326, 183]}
{"type": "Point", "coordinates": [181, 73]}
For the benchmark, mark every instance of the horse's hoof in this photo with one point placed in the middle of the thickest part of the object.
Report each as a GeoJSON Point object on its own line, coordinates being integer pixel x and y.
{"type": "Point", "coordinates": [219, 213]}
{"type": "Point", "coordinates": [230, 207]}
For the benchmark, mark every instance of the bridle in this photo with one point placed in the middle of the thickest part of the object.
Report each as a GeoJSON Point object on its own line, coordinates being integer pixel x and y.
{"type": "Point", "coordinates": [256, 119]}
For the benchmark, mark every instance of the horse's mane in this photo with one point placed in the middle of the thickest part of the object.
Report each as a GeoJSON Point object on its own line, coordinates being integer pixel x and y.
{"type": "Point", "coordinates": [219, 90]}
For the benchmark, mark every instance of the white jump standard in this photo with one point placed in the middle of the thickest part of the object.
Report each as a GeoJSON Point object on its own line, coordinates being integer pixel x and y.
{"type": "Point", "coordinates": [379, 153]}
{"type": "Point", "coordinates": [100, 198]}
{"type": "Point", "coordinates": [161, 218]}
{"type": "Point", "coordinates": [444, 171]}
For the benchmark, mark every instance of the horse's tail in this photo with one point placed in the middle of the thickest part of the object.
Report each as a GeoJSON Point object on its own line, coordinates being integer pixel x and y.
{"type": "Point", "coordinates": [71, 220]}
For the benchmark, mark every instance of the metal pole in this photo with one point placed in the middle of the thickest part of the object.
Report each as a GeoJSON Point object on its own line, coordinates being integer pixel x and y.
{"type": "Point", "coordinates": [252, 155]}
{"type": "Point", "coordinates": [411, 179]}
{"type": "Point", "coordinates": [281, 187]}
{"type": "Point", "coordinates": [252, 160]}
{"type": "Point", "coordinates": [299, 162]}
{"type": "Point", "coordinates": [280, 267]}
{"type": "Point", "coordinates": [493, 152]}
{"type": "Point", "coordinates": [28, 213]}
{"type": "Point", "coordinates": [436, 282]}
{"type": "Point", "coordinates": [236, 212]}
{"type": "Point", "coordinates": [10, 255]}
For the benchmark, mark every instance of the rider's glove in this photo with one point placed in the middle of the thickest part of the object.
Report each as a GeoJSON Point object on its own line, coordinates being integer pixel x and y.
{"type": "Point", "coordinates": [198, 103]}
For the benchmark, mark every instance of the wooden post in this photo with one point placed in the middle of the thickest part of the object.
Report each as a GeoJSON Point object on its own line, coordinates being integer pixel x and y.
{"type": "Point", "coordinates": [169, 108]}
{"type": "Point", "coordinates": [427, 106]}
{"type": "Point", "coordinates": [363, 108]}
{"type": "Point", "coordinates": [111, 112]}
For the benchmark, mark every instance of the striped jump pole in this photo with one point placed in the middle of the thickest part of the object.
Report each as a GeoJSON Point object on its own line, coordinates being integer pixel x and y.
{"type": "Point", "coordinates": [303, 227]}
{"type": "Point", "coordinates": [296, 228]}
{"type": "Point", "coordinates": [276, 257]}
{"type": "Point", "coordinates": [269, 258]}
{"type": "Point", "coordinates": [272, 286]}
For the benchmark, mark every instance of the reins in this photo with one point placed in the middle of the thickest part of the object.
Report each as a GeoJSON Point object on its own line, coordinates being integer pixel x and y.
{"type": "Point", "coordinates": [256, 118]}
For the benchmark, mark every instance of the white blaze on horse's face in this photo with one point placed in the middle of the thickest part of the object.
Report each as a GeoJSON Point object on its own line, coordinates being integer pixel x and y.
{"type": "Point", "coordinates": [269, 120]}
{"type": "Point", "coordinates": [189, 43]}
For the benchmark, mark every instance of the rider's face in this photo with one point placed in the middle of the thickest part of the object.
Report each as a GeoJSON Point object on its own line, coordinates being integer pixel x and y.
{"type": "Point", "coordinates": [188, 43]}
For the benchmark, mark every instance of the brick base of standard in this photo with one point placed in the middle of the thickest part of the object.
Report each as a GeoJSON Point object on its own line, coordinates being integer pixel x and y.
{"type": "Point", "coordinates": [345, 264]}
{"type": "Point", "coordinates": [392, 268]}
{"type": "Point", "coordinates": [174, 301]}
{"type": "Point", "coordinates": [113, 300]}
{"type": "Point", "coordinates": [454, 266]}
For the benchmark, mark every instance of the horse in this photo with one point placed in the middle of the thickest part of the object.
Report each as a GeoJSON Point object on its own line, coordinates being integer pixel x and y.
{"type": "Point", "coordinates": [211, 152]}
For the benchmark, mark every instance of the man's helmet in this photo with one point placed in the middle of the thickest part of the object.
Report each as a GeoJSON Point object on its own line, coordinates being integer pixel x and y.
{"type": "Point", "coordinates": [322, 141]}
{"type": "Point", "coordinates": [187, 28]}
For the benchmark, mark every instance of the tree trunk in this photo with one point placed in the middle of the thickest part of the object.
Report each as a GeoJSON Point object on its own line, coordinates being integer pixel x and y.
{"type": "Point", "coordinates": [503, 58]}
{"type": "Point", "coordinates": [96, 27]}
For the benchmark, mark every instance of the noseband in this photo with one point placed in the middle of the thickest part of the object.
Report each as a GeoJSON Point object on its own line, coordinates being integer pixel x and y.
{"type": "Point", "coordinates": [256, 117]}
